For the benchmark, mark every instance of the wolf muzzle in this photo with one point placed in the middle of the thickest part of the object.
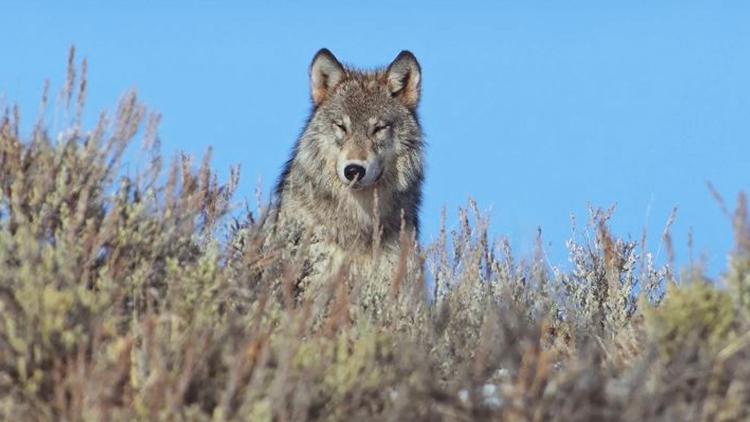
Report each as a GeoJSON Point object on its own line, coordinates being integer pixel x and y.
{"type": "Point", "coordinates": [359, 174]}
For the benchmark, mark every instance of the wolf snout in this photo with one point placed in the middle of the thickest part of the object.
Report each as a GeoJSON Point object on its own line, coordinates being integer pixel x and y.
{"type": "Point", "coordinates": [354, 172]}
{"type": "Point", "coordinates": [358, 174]}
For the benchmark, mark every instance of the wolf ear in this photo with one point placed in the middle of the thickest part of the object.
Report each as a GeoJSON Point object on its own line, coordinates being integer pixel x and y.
{"type": "Point", "coordinates": [404, 77]}
{"type": "Point", "coordinates": [325, 73]}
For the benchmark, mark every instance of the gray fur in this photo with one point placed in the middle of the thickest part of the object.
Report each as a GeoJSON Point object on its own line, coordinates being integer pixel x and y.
{"type": "Point", "coordinates": [367, 118]}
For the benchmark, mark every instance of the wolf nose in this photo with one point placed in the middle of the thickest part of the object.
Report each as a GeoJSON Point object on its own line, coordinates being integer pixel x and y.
{"type": "Point", "coordinates": [353, 171]}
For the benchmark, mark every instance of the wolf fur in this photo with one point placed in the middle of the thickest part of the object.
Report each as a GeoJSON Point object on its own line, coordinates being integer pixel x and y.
{"type": "Point", "coordinates": [352, 188]}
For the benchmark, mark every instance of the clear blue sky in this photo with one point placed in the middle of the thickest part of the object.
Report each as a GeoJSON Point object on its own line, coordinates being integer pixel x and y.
{"type": "Point", "coordinates": [533, 108]}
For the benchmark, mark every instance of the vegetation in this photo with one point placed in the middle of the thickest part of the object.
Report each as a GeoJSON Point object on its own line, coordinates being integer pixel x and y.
{"type": "Point", "coordinates": [144, 297]}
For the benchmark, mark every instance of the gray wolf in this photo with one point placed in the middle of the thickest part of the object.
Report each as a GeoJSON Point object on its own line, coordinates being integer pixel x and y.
{"type": "Point", "coordinates": [353, 184]}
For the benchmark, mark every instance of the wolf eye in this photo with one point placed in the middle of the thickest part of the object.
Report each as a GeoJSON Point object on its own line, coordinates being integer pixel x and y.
{"type": "Point", "coordinates": [340, 126]}
{"type": "Point", "coordinates": [380, 128]}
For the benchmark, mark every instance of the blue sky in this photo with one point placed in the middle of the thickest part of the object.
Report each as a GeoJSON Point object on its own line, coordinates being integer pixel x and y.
{"type": "Point", "coordinates": [534, 109]}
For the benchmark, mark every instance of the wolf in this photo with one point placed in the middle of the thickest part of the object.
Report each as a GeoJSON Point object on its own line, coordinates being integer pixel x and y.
{"type": "Point", "coordinates": [352, 187]}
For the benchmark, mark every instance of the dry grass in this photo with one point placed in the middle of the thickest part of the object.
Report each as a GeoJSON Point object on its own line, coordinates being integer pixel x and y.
{"type": "Point", "coordinates": [139, 297]}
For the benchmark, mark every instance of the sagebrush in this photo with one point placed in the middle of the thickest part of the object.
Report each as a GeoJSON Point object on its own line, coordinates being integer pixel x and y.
{"type": "Point", "coordinates": [149, 296]}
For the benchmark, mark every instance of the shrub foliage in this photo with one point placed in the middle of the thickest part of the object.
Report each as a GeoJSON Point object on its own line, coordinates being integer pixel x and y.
{"type": "Point", "coordinates": [136, 293]}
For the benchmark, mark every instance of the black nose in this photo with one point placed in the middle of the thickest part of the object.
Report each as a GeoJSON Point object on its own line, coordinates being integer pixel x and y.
{"type": "Point", "coordinates": [353, 171]}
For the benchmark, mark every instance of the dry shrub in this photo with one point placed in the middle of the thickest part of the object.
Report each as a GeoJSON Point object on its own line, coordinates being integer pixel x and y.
{"type": "Point", "coordinates": [146, 297]}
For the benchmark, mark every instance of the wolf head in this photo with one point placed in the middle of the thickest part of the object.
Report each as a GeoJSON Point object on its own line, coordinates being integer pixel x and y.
{"type": "Point", "coordinates": [364, 120]}
{"type": "Point", "coordinates": [361, 152]}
